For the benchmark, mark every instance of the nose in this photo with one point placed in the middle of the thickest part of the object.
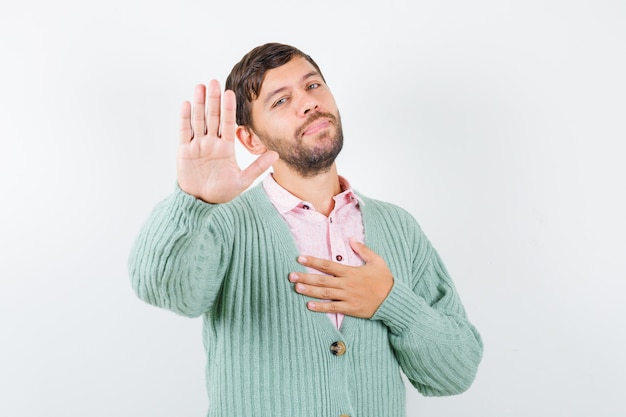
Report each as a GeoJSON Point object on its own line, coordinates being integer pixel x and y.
{"type": "Point", "coordinates": [307, 103]}
{"type": "Point", "coordinates": [309, 107]}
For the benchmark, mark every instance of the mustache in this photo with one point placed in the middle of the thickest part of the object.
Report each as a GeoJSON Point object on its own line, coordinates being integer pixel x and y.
{"type": "Point", "coordinates": [313, 118]}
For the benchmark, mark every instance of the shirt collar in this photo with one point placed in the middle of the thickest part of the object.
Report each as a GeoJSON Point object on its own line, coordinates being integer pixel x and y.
{"type": "Point", "coordinates": [284, 201]}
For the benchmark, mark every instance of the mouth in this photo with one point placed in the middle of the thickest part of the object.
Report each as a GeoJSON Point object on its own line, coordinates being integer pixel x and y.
{"type": "Point", "coordinates": [316, 127]}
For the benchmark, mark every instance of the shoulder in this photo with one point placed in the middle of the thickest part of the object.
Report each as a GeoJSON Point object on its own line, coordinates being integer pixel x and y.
{"type": "Point", "coordinates": [382, 218]}
{"type": "Point", "coordinates": [384, 209]}
{"type": "Point", "coordinates": [251, 205]}
{"type": "Point", "coordinates": [249, 201]}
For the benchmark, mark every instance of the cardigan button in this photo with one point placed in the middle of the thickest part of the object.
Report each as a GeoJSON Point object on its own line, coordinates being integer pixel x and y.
{"type": "Point", "coordinates": [344, 415]}
{"type": "Point", "coordinates": [338, 348]}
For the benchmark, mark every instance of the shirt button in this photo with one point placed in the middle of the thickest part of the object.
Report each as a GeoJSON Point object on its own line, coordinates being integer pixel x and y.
{"type": "Point", "coordinates": [305, 207]}
{"type": "Point", "coordinates": [339, 258]}
{"type": "Point", "coordinates": [338, 348]}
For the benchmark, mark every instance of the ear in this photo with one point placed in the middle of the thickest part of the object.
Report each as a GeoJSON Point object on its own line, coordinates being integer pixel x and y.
{"type": "Point", "coordinates": [250, 140]}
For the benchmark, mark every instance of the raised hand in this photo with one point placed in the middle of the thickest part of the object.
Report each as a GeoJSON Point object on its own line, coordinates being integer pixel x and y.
{"type": "Point", "coordinates": [206, 164]}
{"type": "Point", "coordinates": [355, 291]}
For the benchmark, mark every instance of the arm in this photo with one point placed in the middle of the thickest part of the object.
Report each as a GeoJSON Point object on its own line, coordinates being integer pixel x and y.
{"type": "Point", "coordinates": [436, 346]}
{"type": "Point", "coordinates": [180, 256]}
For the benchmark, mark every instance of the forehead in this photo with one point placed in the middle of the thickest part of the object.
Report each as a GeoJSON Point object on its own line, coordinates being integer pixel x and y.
{"type": "Point", "coordinates": [293, 72]}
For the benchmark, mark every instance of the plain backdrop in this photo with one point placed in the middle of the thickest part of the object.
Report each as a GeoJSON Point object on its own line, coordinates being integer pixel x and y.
{"type": "Point", "coordinates": [500, 125]}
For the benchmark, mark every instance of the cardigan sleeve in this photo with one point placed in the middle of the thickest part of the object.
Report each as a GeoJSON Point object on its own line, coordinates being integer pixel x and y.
{"type": "Point", "coordinates": [179, 258]}
{"type": "Point", "coordinates": [437, 347]}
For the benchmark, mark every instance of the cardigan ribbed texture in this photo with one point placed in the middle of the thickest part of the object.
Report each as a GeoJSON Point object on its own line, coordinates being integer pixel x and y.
{"type": "Point", "coordinates": [267, 355]}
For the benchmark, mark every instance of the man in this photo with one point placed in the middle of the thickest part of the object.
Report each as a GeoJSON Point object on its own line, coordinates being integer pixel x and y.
{"type": "Point", "coordinates": [263, 266]}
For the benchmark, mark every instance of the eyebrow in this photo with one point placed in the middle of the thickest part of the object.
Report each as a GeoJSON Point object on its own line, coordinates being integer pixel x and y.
{"type": "Point", "coordinates": [281, 89]}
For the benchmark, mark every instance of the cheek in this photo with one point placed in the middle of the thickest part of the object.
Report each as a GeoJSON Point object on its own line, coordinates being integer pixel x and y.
{"type": "Point", "coordinates": [327, 97]}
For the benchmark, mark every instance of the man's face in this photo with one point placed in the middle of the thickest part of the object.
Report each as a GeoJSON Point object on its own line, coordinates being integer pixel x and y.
{"type": "Point", "coordinates": [295, 115]}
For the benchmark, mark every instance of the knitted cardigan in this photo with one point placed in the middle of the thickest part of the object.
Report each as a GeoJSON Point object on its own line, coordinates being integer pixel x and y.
{"type": "Point", "coordinates": [267, 354]}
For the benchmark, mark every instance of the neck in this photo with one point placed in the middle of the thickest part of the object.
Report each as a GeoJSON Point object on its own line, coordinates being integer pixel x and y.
{"type": "Point", "coordinates": [319, 189]}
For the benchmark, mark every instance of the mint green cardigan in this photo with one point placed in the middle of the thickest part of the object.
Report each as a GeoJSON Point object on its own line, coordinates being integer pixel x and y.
{"type": "Point", "coordinates": [267, 355]}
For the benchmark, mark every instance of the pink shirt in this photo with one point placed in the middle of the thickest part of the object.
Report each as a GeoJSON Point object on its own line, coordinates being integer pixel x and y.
{"type": "Point", "coordinates": [317, 235]}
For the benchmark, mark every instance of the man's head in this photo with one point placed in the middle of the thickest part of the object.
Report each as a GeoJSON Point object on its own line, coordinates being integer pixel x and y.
{"type": "Point", "coordinates": [284, 105]}
{"type": "Point", "coordinates": [246, 77]}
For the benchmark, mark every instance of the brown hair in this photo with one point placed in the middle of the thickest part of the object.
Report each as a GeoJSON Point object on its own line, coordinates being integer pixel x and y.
{"type": "Point", "coordinates": [246, 77]}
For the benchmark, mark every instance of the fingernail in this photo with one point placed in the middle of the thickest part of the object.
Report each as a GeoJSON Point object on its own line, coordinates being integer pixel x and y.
{"type": "Point", "coordinates": [293, 277]}
{"type": "Point", "coordinates": [302, 259]}
{"type": "Point", "coordinates": [312, 306]}
{"type": "Point", "coordinates": [300, 287]}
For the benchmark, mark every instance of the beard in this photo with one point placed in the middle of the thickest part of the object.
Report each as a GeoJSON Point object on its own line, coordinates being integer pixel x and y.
{"type": "Point", "coordinates": [308, 160]}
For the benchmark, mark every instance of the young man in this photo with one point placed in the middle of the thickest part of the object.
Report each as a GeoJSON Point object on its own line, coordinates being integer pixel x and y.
{"type": "Point", "coordinates": [314, 298]}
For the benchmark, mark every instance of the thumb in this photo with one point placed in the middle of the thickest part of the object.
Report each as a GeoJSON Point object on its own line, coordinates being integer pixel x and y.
{"type": "Point", "coordinates": [258, 167]}
{"type": "Point", "coordinates": [363, 251]}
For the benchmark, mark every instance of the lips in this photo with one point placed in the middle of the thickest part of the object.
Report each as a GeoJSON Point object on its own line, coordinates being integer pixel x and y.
{"type": "Point", "coordinates": [318, 122]}
{"type": "Point", "coordinates": [316, 126]}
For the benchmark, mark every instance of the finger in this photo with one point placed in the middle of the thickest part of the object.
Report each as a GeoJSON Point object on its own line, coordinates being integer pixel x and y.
{"type": "Point", "coordinates": [256, 168]}
{"type": "Point", "coordinates": [363, 251]}
{"type": "Point", "coordinates": [318, 280]}
{"type": "Point", "coordinates": [322, 293]}
{"type": "Point", "coordinates": [185, 133]}
{"type": "Point", "coordinates": [329, 306]}
{"type": "Point", "coordinates": [229, 121]}
{"type": "Point", "coordinates": [213, 109]}
{"type": "Point", "coordinates": [197, 122]}
{"type": "Point", "coordinates": [323, 265]}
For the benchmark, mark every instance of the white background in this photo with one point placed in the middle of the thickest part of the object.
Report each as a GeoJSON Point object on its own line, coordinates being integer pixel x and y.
{"type": "Point", "coordinates": [499, 124]}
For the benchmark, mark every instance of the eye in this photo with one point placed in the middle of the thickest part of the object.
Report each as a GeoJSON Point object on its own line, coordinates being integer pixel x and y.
{"type": "Point", "coordinates": [313, 86]}
{"type": "Point", "coordinates": [279, 102]}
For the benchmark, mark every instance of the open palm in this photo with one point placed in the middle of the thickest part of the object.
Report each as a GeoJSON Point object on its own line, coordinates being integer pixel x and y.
{"type": "Point", "coordinates": [207, 167]}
